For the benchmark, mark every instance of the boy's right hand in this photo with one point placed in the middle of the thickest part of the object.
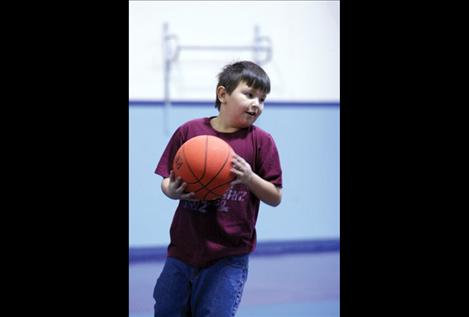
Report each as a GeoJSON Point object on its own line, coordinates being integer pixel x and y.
{"type": "Point", "coordinates": [176, 188]}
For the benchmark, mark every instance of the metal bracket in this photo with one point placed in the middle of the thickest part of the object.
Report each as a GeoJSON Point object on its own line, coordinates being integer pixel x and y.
{"type": "Point", "coordinates": [172, 50]}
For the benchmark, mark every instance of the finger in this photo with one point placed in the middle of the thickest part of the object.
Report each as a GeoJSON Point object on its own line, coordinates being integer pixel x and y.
{"type": "Point", "coordinates": [240, 159]}
{"type": "Point", "coordinates": [181, 188]}
{"type": "Point", "coordinates": [236, 181]}
{"type": "Point", "coordinates": [189, 196]}
{"type": "Point", "coordinates": [178, 189]}
{"type": "Point", "coordinates": [236, 172]}
{"type": "Point", "coordinates": [178, 181]}
{"type": "Point", "coordinates": [238, 164]}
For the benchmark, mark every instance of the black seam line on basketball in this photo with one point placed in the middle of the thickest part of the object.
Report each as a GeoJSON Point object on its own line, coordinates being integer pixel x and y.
{"type": "Point", "coordinates": [205, 186]}
{"type": "Point", "coordinates": [217, 196]}
{"type": "Point", "coordinates": [214, 188]}
{"type": "Point", "coordinates": [219, 171]}
{"type": "Point", "coordinates": [190, 168]}
{"type": "Point", "coordinates": [212, 191]}
{"type": "Point", "coordinates": [205, 157]}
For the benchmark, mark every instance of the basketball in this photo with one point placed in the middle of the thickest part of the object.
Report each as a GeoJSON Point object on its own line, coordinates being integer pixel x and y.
{"type": "Point", "coordinates": [204, 163]}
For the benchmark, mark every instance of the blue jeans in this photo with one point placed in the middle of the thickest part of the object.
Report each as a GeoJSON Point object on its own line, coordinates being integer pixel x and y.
{"type": "Point", "coordinates": [214, 291]}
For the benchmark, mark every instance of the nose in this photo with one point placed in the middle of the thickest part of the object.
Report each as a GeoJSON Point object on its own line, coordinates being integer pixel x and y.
{"type": "Point", "coordinates": [256, 102]}
{"type": "Point", "coordinates": [257, 105]}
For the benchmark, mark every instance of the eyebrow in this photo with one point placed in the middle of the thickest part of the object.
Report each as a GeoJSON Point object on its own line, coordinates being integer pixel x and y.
{"type": "Point", "coordinates": [252, 89]}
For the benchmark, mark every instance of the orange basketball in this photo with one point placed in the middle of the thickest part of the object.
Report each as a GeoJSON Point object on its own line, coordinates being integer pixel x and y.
{"type": "Point", "coordinates": [204, 163]}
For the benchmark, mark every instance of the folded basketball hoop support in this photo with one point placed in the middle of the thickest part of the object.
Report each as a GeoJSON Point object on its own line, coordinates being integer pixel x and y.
{"type": "Point", "coordinates": [261, 47]}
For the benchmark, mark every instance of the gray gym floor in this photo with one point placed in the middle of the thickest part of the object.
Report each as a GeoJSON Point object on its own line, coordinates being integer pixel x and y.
{"type": "Point", "coordinates": [289, 285]}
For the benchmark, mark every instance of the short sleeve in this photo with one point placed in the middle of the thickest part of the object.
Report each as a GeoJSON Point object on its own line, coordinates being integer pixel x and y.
{"type": "Point", "coordinates": [166, 161]}
{"type": "Point", "coordinates": [268, 160]}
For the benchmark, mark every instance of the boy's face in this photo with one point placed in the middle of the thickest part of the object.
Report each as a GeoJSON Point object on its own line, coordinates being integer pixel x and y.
{"type": "Point", "coordinates": [243, 106]}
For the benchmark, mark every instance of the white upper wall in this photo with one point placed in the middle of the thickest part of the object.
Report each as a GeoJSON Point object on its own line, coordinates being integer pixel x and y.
{"type": "Point", "coordinates": [304, 35]}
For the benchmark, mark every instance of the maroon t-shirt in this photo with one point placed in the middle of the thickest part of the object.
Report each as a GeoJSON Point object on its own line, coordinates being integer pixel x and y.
{"type": "Point", "coordinates": [204, 231]}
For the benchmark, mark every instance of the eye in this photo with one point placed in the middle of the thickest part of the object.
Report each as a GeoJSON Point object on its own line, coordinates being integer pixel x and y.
{"type": "Point", "coordinates": [250, 95]}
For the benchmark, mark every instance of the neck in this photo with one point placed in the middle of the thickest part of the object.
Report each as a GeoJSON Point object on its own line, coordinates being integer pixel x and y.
{"type": "Point", "coordinates": [221, 125]}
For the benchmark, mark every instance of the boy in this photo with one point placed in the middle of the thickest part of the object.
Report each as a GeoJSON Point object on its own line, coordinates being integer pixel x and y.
{"type": "Point", "coordinates": [207, 263]}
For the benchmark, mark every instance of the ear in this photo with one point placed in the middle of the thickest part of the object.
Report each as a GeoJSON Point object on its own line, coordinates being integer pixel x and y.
{"type": "Point", "coordinates": [221, 94]}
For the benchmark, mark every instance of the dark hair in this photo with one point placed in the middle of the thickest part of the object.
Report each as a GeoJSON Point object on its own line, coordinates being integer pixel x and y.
{"type": "Point", "coordinates": [252, 74]}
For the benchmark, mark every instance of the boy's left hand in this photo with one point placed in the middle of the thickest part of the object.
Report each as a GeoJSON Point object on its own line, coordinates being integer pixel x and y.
{"type": "Point", "coordinates": [241, 169]}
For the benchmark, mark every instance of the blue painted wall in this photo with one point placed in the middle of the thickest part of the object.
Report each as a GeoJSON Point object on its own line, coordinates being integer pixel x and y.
{"type": "Point", "coordinates": [307, 136]}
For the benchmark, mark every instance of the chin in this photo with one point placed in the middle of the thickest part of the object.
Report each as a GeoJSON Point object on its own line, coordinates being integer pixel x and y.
{"type": "Point", "coordinates": [252, 121]}
{"type": "Point", "coordinates": [246, 124]}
